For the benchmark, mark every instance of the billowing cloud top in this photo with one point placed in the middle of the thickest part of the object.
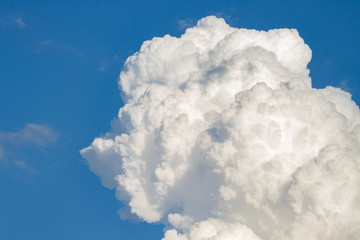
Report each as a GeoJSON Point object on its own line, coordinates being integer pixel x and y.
{"type": "Point", "coordinates": [223, 137]}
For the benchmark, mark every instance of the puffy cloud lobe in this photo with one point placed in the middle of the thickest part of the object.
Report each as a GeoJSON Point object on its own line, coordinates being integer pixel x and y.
{"type": "Point", "coordinates": [214, 229]}
{"type": "Point", "coordinates": [223, 137]}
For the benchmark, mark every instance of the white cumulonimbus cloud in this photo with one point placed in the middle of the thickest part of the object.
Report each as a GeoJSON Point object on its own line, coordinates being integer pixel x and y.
{"type": "Point", "coordinates": [223, 137]}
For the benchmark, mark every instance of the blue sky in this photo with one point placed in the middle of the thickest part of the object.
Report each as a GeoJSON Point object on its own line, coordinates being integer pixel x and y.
{"type": "Point", "coordinates": [60, 61]}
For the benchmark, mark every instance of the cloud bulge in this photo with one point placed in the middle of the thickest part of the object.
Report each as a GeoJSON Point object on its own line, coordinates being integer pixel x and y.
{"type": "Point", "coordinates": [223, 137]}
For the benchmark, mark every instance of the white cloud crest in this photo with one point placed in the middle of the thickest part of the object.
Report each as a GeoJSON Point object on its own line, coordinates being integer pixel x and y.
{"type": "Point", "coordinates": [223, 137]}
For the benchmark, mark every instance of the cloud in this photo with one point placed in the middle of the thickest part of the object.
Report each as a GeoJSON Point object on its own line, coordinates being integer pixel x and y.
{"type": "Point", "coordinates": [344, 85]}
{"type": "Point", "coordinates": [223, 137]}
{"type": "Point", "coordinates": [32, 135]}
{"type": "Point", "coordinates": [186, 23]}
{"type": "Point", "coordinates": [59, 46]}
{"type": "Point", "coordinates": [13, 21]}
{"type": "Point", "coordinates": [103, 66]}
{"type": "Point", "coordinates": [19, 21]}
{"type": "Point", "coordinates": [23, 165]}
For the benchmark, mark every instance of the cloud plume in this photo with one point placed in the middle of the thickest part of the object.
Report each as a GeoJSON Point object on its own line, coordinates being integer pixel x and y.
{"type": "Point", "coordinates": [223, 137]}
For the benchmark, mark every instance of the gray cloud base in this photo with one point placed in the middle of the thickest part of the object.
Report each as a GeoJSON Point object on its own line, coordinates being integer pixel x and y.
{"type": "Point", "coordinates": [223, 137]}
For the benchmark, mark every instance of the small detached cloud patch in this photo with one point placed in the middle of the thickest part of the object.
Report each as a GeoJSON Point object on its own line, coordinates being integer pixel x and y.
{"type": "Point", "coordinates": [31, 136]}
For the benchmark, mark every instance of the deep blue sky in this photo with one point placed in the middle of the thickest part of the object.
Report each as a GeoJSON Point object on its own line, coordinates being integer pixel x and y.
{"type": "Point", "coordinates": [59, 63]}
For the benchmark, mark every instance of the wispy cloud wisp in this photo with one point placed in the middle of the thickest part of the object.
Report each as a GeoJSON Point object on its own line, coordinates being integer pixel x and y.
{"type": "Point", "coordinates": [32, 135]}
